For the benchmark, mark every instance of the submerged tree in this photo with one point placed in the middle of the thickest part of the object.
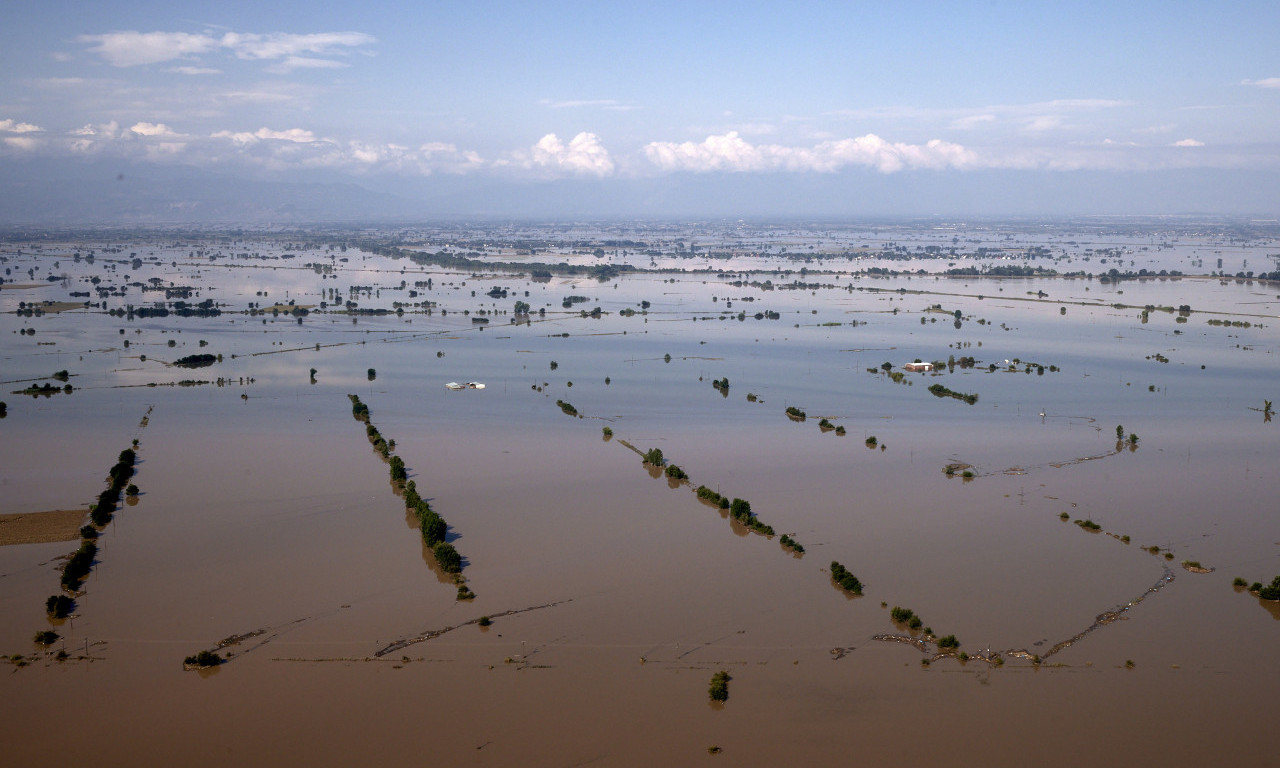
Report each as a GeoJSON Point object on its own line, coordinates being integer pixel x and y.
{"type": "Point", "coordinates": [719, 689]}
{"type": "Point", "coordinates": [448, 558]}
{"type": "Point", "coordinates": [844, 579]}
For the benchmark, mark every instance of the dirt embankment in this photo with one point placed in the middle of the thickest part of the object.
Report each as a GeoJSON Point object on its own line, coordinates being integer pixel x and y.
{"type": "Point", "coordinates": [41, 527]}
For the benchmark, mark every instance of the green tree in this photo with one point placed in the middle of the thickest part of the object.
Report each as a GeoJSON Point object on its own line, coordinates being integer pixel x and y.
{"type": "Point", "coordinates": [846, 580]}
{"type": "Point", "coordinates": [203, 659]}
{"type": "Point", "coordinates": [433, 527]}
{"type": "Point", "coordinates": [59, 606]}
{"type": "Point", "coordinates": [719, 689]}
{"type": "Point", "coordinates": [398, 472]}
{"type": "Point", "coordinates": [447, 557]}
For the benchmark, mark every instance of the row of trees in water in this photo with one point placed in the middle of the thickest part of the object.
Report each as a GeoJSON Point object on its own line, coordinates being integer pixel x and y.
{"type": "Point", "coordinates": [431, 525]}
{"type": "Point", "coordinates": [80, 563]}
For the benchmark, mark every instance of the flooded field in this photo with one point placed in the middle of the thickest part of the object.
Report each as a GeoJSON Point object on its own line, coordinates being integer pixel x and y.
{"type": "Point", "coordinates": [1069, 494]}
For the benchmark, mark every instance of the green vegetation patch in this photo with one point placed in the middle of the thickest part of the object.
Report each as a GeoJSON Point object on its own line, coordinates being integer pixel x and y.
{"type": "Point", "coordinates": [202, 660]}
{"type": "Point", "coordinates": [845, 579]}
{"type": "Point", "coordinates": [940, 391]}
{"type": "Point", "coordinates": [196, 361]}
{"type": "Point", "coordinates": [719, 688]}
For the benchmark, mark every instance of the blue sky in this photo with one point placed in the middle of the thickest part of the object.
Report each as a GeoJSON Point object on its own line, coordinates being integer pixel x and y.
{"type": "Point", "coordinates": [721, 97]}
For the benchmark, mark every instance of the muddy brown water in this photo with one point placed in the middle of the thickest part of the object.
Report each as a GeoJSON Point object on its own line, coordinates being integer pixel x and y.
{"type": "Point", "coordinates": [272, 512]}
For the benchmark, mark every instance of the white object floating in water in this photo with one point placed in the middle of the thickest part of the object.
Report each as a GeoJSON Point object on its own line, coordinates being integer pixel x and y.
{"type": "Point", "coordinates": [469, 385]}
{"type": "Point", "coordinates": [454, 385]}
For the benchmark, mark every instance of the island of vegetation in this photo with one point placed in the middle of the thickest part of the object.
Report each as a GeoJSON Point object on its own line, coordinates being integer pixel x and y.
{"type": "Point", "coordinates": [719, 689]}
{"type": "Point", "coordinates": [940, 391]}
{"type": "Point", "coordinates": [844, 579]}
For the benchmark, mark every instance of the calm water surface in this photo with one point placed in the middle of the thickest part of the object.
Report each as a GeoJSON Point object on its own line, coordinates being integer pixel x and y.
{"type": "Point", "coordinates": [263, 507]}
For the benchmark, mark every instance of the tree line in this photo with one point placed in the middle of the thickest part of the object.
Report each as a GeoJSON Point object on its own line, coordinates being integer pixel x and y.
{"type": "Point", "coordinates": [430, 524]}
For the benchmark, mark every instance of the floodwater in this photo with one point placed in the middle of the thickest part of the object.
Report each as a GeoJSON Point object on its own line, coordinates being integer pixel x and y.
{"type": "Point", "coordinates": [616, 596]}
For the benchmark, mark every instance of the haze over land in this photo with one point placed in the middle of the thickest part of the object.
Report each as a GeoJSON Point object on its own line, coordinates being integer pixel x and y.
{"type": "Point", "coordinates": [159, 113]}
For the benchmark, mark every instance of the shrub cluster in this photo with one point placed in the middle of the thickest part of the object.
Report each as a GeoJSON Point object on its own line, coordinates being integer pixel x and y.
{"type": "Point", "coordinates": [940, 391]}
{"type": "Point", "coordinates": [844, 579]}
{"type": "Point", "coordinates": [1267, 592]}
{"type": "Point", "coordinates": [203, 660]}
{"type": "Point", "coordinates": [676, 473]}
{"type": "Point", "coordinates": [431, 524]}
{"type": "Point", "coordinates": [791, 544]}
{"type": "Point", "coordinates": [654, 457]}
{"type": "Point", "coordinates": [59, 606]}
{"type": "Point", "coordinates": [795, 413]}
{"type": "Point", "coordinates": [380, 443]}
{"type": "Point", "coordinates": [398, 472]}
{"type": "Point", "coordinates": [740, 510]}
{"type": "Point", "coordinates": [706, 494]}
{"type": "Point", "coordinates": [46, 389]}
{"type": "Point", "coordinates": [719, 690]}
{"type": "Point", "coordinates": [117, 478]}
{"type": "Point", "coordinates": [567, 408]}
{"type": "Point", "coordinates": [195, 361]}
{"type": "Point", "coordinates": [78, 565]}
{"type": "Point", "coordinates": [906, 616]}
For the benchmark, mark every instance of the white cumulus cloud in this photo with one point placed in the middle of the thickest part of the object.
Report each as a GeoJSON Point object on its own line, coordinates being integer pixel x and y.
{"type": "Point", "coordinates": [584, 155]}
{"type": "Point", "coordinates": [297, 135]}
{"type": "Point", "coordinates": [23, 136]}
{"type": "Point", "coordinates": [13, 126]}
{"type": "Point", "coordinates": [1188, 143]}
{"type": "Point", "coordinates": [730, 152]}
{"type": "Point", "coordinates": [152, 129]}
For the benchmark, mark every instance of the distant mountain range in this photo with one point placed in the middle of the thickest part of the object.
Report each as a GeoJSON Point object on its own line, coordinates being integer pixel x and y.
{"type": "Point", "coordinates": [98, 193]}
{"type": "Point", "coordinates": [103, 192]}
